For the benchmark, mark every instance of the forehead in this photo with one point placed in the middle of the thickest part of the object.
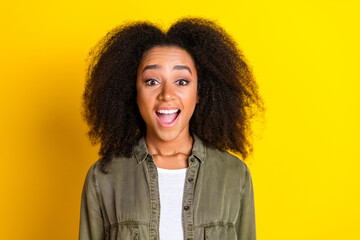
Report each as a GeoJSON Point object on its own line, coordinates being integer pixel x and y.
{"type": "Point", "coordinates": [166, 55]}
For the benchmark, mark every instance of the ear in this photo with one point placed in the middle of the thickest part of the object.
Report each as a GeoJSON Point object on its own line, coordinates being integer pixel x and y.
{"type": "Point", "coordinates": [197, 99]}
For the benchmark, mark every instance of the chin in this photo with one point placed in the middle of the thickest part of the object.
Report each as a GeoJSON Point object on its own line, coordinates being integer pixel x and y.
{"type": "Point", "coordinates": [169, 135]}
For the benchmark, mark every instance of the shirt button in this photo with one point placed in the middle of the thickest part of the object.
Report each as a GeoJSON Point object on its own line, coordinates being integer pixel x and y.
{"type": "Point", "coordinates": [154, 206]}
{"type": "Point", "coordinates": [186, 207]}
{"type": "Point", "coordinates": [190, 179]}
{"type": "Point", "coordinates": [192, 159]}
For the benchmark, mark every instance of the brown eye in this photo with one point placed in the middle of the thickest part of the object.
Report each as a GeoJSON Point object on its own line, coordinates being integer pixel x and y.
{"type": "Point", "coordinates": [182, 82]}
{"type": "Point", "coordinates": [151, 82]}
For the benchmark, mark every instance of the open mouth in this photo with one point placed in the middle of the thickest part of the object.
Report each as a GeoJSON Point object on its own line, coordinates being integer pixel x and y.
{"type": "Point", "coordinates": [167, 117]}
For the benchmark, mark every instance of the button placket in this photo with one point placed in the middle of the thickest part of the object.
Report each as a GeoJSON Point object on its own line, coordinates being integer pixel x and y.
{"type": "Point", "coordinates": [154, 199]}
{"type": "Point", "coordinates": [187, 212]}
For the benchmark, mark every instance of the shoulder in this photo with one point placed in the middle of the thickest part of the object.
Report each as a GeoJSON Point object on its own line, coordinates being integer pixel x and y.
{"type": "Point", "coordinates": [225, 165]}
{"type": "Point", "coordinates": [227, 160]}
{"type": "Point", "coordinates": [226, 168]}
{"type": "Point", "coordinates": [116, 166]}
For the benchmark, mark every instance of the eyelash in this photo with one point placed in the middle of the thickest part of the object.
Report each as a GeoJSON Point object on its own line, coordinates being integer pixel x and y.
{"type": "Point", "coordinates": [147, 82]}
{"type": "Point", "coordinates": [183, 80]}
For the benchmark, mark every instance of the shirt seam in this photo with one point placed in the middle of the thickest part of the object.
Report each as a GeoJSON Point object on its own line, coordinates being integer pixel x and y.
{"type": "Point", "coordinates": [96, 187]}
{"type": "Point", "coordinates": [245, 179]}
{"type": "Point", "coordinates": [128, 223]}
{"type": "Point", "coordinates": [213, 224]}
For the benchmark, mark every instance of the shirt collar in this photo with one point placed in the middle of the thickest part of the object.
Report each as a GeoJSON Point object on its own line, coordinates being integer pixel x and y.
{"type": "Point", "coordinates": [198, 150]}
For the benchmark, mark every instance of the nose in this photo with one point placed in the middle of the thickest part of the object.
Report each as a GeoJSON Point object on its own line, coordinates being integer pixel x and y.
{"type": "Point", "coordinates": [167, 92]}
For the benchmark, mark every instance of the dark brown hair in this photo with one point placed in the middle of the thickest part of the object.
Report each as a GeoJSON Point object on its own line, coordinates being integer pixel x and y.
{"type": "Point", "coordinates": [228, 93]}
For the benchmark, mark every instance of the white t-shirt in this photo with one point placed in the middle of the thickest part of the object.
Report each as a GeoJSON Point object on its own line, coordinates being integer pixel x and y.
{"type": "Point", "coordinates": [171, 188]}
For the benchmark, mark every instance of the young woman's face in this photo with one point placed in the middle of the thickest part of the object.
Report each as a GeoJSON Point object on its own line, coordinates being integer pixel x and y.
{"type": "Point", "coordinates": [166, 92]}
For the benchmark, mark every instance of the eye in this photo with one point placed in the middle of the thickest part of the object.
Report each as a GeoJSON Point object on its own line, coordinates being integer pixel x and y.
{"type": "Point", "coordinates": [182, 82]}
{"type": "Point", "coordinates": [151, 82]}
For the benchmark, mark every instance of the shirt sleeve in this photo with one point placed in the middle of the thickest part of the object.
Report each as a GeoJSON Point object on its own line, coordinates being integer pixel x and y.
{"type": "Point", "coordinates": [91, 220]}
{"type": "Point", "coordinates": [245, 224]}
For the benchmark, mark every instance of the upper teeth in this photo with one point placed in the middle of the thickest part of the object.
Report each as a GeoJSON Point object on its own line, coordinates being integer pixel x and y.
{"type": "Point", "coordinates": [167, 111]}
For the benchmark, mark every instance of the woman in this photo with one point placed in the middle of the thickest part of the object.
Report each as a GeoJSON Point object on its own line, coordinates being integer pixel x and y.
{"type": "Point", "coordinates": [165, 107]}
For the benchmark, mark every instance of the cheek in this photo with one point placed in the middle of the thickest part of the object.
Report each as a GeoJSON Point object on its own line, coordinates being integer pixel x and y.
{"type": "Point", "coordinates": [140, 100]}
{"type": "Point", "coordinates": [144, 104]}
{"type": "Point", "coordinates": [190, 100]}
{"type": "Point", "coordinates": [140, 95]}
{"type": "Point", "coordinates": [194, 96]}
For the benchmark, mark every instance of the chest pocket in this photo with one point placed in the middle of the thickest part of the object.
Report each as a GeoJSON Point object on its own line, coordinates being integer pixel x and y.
{"type": "Point", "coordinates": [123, 232]}
{"type": "Point", "coordinates": [220, 232]}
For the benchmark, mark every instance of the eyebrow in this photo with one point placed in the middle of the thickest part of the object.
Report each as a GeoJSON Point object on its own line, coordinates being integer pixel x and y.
{"type": "Point", "coordinates": [176, 67]}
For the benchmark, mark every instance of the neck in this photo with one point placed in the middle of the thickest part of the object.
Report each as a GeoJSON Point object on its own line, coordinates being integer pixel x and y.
{"type": "Point", "coordinates": [179, 145]}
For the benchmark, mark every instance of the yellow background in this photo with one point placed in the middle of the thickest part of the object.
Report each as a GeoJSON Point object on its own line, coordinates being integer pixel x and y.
{"type": "Point", "coordinates": [305, 55]}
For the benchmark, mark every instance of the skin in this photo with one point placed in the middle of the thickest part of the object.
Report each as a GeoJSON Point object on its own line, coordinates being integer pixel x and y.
{"type": "Point", "coordinates": [167, 79]}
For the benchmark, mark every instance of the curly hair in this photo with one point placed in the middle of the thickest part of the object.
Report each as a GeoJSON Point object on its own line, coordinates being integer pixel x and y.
{"type": "Point", "coordinates": [228, 93]}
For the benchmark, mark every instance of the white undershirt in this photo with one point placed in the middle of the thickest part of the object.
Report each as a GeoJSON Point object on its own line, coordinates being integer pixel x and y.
{"type": "Point", "coordinates": [171, 188]}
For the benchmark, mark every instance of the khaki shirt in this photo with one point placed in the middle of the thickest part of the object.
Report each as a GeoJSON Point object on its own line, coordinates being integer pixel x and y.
{"type": "Point", "coordinates": [124, 204]}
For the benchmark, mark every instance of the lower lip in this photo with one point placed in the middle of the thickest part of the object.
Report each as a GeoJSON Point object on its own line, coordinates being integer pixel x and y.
{"type": "Point", "coordinates": [168, 125]}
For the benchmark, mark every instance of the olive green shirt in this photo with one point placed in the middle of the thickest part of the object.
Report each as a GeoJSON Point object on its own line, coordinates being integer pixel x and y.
{"type": "Point", "coordinates": [124, 204]}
